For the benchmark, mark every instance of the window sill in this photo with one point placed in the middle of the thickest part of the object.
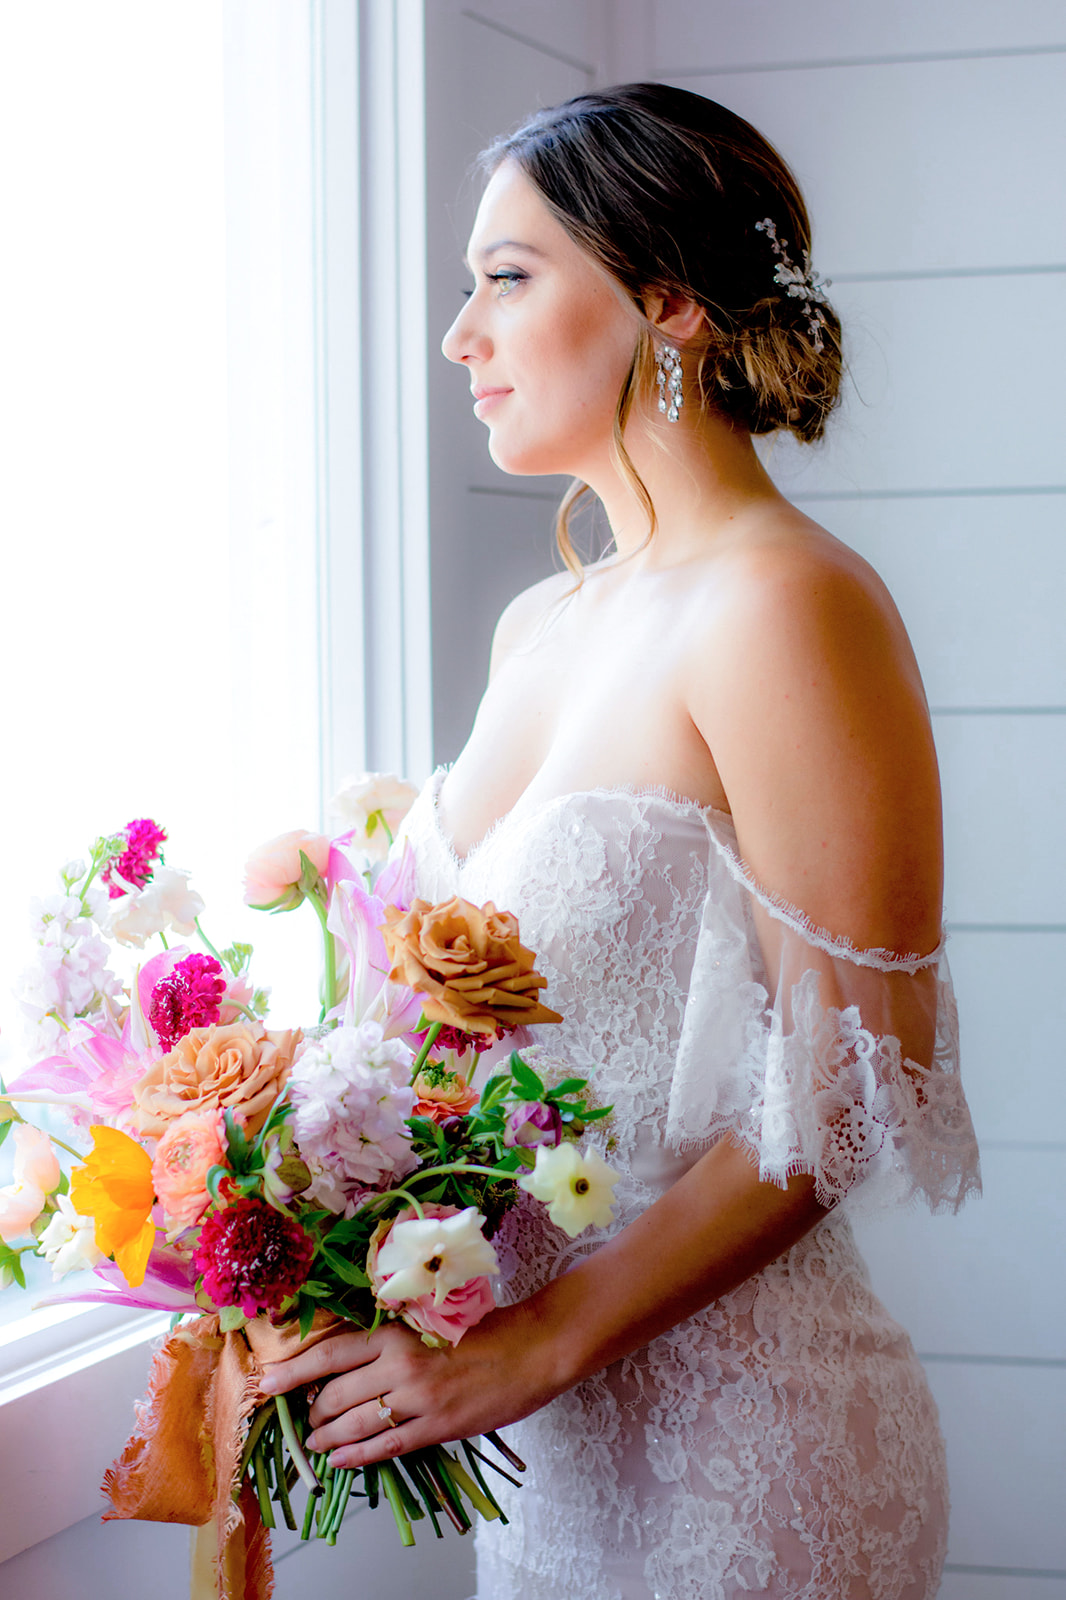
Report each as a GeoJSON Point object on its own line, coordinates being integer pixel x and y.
{"type": "Point", "coordinates": [68, 1376]}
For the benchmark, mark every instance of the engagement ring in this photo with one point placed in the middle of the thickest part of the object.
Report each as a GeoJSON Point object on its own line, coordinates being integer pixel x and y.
{"type": "Point", "coordinates": [385, 1412]}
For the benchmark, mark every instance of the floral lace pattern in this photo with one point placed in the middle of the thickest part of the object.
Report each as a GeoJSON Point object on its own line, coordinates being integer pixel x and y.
{"type": "Point", "coordinates": [783, 1441]}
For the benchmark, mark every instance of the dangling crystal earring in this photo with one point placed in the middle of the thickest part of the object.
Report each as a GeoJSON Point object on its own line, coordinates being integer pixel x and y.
{"type": "Point", "coordinates": [668, 377]}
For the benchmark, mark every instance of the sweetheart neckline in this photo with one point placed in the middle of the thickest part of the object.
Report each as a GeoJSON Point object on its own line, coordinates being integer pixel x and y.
{"type": "Point", "coordinates": [781, 909]}
{"type": "Point", "coordinates": [658, 793]}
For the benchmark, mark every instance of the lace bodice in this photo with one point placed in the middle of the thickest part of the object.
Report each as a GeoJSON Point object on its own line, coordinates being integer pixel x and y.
{"type": "Point", "coordinates": [747, 1449]}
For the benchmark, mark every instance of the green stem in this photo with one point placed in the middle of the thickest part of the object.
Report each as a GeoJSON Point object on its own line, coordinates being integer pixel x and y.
{"type": "Point", "coordinates": [204, 940]}
{"type": "Point", "coordinates": [281, 1486]}
{"type": "Point", "coordinates": [296, 1449]}
{"type": "Point", "coordinates": [262, 1488]}
{"type": "Point", "coordinates": [386, 1473]}
{"type": "Point", "coordinates": [163, 940]}
{"type": "Point", "coordinates": [330, 982]}
{"type": "Point", "coordinates": [255, 1432]}
{"type": "Point", "coordinates": [427, 1045]}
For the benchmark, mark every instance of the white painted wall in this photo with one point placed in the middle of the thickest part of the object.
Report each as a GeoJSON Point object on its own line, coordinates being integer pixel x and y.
{"type": "Point", "coordinates": [929, 138]}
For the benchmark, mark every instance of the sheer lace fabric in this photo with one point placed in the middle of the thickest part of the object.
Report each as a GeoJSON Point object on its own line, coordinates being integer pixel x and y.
{"type": "Point", "coordinates": [782, 1442]}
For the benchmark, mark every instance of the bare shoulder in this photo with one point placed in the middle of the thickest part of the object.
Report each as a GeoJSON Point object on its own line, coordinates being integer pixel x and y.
{"type": "Point", "coordinates": [526, 616]}
{"type": "Point", "coordinates": [806, 691]}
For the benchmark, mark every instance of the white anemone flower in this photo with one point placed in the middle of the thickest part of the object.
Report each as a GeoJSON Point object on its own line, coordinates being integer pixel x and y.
{"type": "Point", "coordinates": [68, 1242]}
{"type": "Point", "coordinates": [166, 901]}
{"type": "Point", "coordinates": [576, 1188]}
{"type": "Point", "coordinates": [368, 800]}
{"type": "Point", "coordinates": [434, 1255]}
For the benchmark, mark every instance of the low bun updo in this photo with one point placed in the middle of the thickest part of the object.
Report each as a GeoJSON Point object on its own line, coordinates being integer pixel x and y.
{"type": "Point", "coordinates": [671, 194]}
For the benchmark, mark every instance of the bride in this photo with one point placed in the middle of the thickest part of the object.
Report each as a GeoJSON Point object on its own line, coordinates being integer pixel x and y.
{"type": "Point", "coordinates": [703, 777]}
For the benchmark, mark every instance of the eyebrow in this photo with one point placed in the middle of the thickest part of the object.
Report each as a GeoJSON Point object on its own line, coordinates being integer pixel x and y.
{"type": "Point", "coordinates": [505, 244]}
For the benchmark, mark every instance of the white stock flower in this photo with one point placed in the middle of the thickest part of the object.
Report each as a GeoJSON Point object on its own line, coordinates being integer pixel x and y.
{"type": "Point", "coordinates": [351, 1097]}
{"type": "Point", "coordinates": [433, 1255]}
{"type": "Point", "coordinates": [165, 902]}
{"type": "Point", "coordinates": [359, 801]}
{"type": "Point", "coordinates": [70, 977]}
{"type": "Point", "coordinates": [68, 1242]}
{"type": "Point", "coordinates": [576, 1188]}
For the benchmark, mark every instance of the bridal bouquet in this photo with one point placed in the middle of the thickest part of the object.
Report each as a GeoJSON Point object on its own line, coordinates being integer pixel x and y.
{"type": "Point", "coordinates": [268, 1185]}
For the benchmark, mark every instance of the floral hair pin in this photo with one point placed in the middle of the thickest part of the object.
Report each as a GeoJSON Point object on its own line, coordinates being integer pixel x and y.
{"type": "Point", "coordinates": [800, 283]}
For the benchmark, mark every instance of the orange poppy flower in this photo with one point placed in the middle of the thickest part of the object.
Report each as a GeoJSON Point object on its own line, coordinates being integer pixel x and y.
{"type": "Point", "coordinates": [115, 1188]}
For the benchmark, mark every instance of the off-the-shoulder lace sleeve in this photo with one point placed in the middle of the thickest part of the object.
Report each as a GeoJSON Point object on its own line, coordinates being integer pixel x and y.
{"type": "Point", "coordinates": [818, 1057]}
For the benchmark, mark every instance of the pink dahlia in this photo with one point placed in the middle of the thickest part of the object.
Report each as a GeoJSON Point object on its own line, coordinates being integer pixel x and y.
{"type": "Point", "coordinates": [144, 841]}
{"type": "Point", "coordinates": [252, 1256]}
{"type": "Point", "coordinates": [190, 996]}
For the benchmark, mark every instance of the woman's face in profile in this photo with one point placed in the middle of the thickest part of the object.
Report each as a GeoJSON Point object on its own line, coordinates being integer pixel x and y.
{"type": "Point", "coordinates": [546, 336]}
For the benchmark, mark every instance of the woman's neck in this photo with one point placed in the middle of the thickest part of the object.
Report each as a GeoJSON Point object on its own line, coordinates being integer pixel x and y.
{"type": "Point", "coordinates": [701, 473]}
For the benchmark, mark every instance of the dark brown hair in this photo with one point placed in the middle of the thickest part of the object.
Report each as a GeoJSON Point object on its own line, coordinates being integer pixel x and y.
{"type": "Point", "coordinates": [664, 189]}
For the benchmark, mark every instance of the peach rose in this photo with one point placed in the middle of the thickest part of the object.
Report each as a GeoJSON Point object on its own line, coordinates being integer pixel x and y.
{"type": "Point", "coordinates": [272, 873]}
{"type": "Point", "coordinates": [442, 1095]}
{"type": "Point", "coordinates": [239, 1066]}
{"type": "Point", "coordinates": [467, 963]}
{"type": "Point", "coordinates": [188, 1150]}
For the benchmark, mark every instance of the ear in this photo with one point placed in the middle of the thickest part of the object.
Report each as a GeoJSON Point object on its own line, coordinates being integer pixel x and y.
{"type": "Point", "coordinates": [675, 316]}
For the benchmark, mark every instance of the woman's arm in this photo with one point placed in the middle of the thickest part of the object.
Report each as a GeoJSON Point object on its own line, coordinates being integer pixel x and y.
{"type": "Point", "coordinates": [814, 713]}
{"type": "Point", "coordinates": [715, 1227]}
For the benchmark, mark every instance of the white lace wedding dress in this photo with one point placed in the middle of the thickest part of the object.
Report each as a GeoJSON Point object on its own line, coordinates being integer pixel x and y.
{"type": "Point", "coordinates": [782, 1442]}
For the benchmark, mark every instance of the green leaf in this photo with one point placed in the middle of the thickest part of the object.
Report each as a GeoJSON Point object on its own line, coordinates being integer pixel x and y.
{"type": "Point", "coordinates": [307, 1316]}
{"type": "Point", "coordinates": [236, 1142]}
{"type": "Point", "coordinates": [230, 1318]}
{"type": "Point", "coordinates": [568, 1086]}
{"type": "Point", "coordinates": [525, 1079]}
{"type": "Point", "coordinates": [5, 1129]}
{"type": "Point", "coordinates": [215, 1176]}
{"type": "Point", "coordinates": [347, 1271]}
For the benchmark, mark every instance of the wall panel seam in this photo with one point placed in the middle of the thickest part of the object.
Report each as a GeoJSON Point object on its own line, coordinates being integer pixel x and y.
{"type": "Point", "coordinates": [903, 59]}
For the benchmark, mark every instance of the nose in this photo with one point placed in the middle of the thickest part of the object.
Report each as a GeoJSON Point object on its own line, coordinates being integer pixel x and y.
{"type": "Point", "coordinates": [463, 341]}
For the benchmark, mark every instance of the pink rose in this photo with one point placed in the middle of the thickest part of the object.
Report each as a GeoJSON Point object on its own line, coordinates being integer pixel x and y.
{"type": "Point", "coordinates": [463, 1307]}
{"type": "Point", "coordinates": [272, 873]}
{"type": "Point", "coordinates": [190, 1147]}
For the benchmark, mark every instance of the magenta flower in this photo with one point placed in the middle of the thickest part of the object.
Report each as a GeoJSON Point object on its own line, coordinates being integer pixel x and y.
{"type": "Point", "coordinates": [533, 1124]}
{"type": "Point", "coordinates": [190, 996]}
{"type": "Point", "coordinates": [252, 1256]}
{"type": "Point", "coordinates": [144, 841]}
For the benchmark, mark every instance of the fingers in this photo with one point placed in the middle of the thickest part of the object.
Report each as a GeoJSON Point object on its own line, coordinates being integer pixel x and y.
{"type": "Point", "coordinates": [353, 1425]}
{"type": "Point", "coordinates": [342, 1352]}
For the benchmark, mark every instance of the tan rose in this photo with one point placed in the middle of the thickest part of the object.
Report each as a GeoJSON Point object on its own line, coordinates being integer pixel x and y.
{"type": "Point", "coordinates": [467, 963]}
{"type": "Point", "coordinates": [236, 1067]}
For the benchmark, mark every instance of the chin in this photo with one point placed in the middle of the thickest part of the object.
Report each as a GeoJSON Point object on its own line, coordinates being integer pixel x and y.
{"type": "Point", "coordinates": [529, 461]}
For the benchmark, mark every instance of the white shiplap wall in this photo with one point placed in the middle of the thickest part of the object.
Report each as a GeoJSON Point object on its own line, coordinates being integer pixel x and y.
{"type": "Point", "coordinates": [930, 141]}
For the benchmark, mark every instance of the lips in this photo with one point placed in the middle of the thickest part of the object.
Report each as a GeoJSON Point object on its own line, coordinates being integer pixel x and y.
{"type": "Point", "coordinates": [485, 398]}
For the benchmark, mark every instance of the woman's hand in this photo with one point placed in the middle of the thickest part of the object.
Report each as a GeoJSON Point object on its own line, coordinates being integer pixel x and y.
{"type": "Point", "coordinates": [498, 1372]}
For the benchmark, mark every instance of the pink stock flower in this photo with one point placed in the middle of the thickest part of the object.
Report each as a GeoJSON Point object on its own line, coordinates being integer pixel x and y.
{"type": "Point", "coordinates": [272, 873]}
{"type": "Point", "coordinates": [184, 1156]}
{"type": "Point", "coordinates": [189, 997]}
{"type": "Point", "coordinates": [252, 1256]}
{"type": "Point", "coordinates": [144, 840]}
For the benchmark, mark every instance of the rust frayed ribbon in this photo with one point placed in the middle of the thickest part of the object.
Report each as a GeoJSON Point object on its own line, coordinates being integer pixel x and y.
{"type": "Point", "coordinates": [182, 1460]}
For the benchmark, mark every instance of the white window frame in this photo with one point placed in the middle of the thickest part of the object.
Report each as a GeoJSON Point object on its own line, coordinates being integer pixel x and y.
{"type": "Point", "coordinates": [66, 1373]}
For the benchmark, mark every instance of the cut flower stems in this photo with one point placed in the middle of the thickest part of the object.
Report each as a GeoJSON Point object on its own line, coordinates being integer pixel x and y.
{"type": "Point", "coordinates": [269, 1185]}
